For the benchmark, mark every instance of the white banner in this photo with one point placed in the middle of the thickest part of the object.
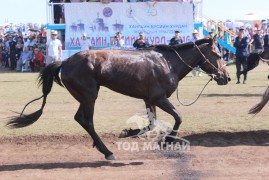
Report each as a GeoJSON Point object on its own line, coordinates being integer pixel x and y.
{"type": "Point", "coordinates": [101, 21]}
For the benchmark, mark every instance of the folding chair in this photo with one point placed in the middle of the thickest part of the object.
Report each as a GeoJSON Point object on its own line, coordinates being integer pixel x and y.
{"type": "Point", "coordinates": [26, 67]}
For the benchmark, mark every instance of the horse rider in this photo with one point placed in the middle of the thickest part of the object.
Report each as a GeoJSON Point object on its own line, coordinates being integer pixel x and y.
{"type": "Point", "coordinates": [241, 44]}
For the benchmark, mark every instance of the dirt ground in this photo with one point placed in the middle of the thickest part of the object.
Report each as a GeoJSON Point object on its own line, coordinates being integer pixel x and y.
{"type": "Point", "coordinates": [219, 155]}
{"type": "Point", "coordinates": [225, 142]}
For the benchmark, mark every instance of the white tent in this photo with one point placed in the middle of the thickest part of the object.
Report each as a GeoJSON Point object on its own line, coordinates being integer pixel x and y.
{"type": "Point", "coordinates": [251, 17]}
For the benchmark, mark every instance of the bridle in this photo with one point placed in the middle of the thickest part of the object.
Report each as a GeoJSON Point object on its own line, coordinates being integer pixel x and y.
{"type": "Point", "coordinates": [220, 68]}
{"type": "Point", "coordinates": [213, 76]}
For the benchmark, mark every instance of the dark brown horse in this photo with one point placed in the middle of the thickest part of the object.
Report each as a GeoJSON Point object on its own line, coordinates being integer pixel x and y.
{"type": "Point", "coordinates": [151, 74]}
{"type": "Point", "coordinates": [265, 58]}
{"type": "Point", "coordinates": [254, 59]}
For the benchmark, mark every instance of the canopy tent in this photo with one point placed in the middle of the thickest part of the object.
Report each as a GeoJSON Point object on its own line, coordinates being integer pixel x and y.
{"type": "Point", "coordinates": [251, 17]}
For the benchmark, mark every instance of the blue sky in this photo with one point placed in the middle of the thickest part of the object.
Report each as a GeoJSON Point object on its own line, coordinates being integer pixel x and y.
{"type": "Point", "coordinates": [235, 9]}
{"type": "Point", "coordinates": [35, 10]}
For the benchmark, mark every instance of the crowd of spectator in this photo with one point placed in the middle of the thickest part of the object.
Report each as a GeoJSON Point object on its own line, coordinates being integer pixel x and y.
{"type": "Point", "coordinates": [22, 48]}
{"type": "Point", "coordinates": [24, 45]}
{"type": "Point", "coordinates": [227, 33]}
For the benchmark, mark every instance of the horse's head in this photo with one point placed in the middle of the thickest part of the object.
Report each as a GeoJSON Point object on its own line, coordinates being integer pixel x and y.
{"type": "Point", "coordinates": [211, 60]}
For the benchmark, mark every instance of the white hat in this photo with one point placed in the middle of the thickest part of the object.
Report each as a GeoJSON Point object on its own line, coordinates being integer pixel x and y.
{"type": "Point", "coordinates": [84, 34]}
{"type": "Point", "coordinates": [54, 32]}
{"type": "Point", "coordinates": [195, 31]}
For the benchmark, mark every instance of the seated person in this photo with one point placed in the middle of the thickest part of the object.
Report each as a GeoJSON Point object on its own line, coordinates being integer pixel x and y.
{"type": "Point", "coordinates": [176, 39]}
{"type": "Point", "coordinates": [37, 62]}
{"type": "Point", "coordinates": [141, 42]}
{"type": "Point", "coordinates": [117, 41]}
{"type": "Point", "coordinates": [24, 60]}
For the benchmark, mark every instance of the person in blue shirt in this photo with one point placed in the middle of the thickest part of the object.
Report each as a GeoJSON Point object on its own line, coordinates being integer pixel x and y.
{"type": "Point", "coordinates": [24, 60]}
{"type": "Point", "coordinates": [176, 39]}
{"type": "Point", "coordinates": [258, 42]}
{"type": "Point", "coordinates": [241, 44]}
{"type": "Point", "coordinates": [118, 42]}
{"type": "Point", "coordinates": [141, 42]}
{"type": "Point", "coordinates": [266, 39]}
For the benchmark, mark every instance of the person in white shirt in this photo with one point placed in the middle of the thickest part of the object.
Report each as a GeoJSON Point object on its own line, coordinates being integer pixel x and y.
{"type": "Point", "coordinates": [84, 43]}
{"type": "Point", "coordinates": [53, 49]}
{"type": "Point", "coordinates": [197, 69]}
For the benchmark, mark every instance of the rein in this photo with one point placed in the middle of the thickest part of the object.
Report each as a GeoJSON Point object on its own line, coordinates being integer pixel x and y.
{"type": "Point", "coordinates": [212, 75]}
{"type": "Point", "coordinates": [197, 96]}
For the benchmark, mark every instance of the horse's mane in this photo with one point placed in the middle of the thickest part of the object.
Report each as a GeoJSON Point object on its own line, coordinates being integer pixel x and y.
{"type": "Point", "coordinates": [181, 46]}
{"type": "Point", "coordinates": [203, 41]}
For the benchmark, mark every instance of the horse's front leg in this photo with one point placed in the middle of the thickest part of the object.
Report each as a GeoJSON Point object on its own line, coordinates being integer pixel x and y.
{"type": "Point", "coordinates": [166, 106]}
{"type": "Point", "coordinates": [151, 111]}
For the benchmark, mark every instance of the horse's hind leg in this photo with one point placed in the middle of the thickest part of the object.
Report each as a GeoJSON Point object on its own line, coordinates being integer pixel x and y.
{"type": "Point", "coordinates": [86, 96]}
{"type": "Point", "coordinates": [84, 117]}
{"type": "Point", "coordinates": [151, 111]}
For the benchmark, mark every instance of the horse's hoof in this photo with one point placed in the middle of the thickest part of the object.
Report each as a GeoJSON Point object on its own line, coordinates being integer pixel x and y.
{"type": "Point", "coordinates": [110, 157]}
{"type": "Point", "coordinates": [169, 140]}
{"type": "Point", "coordinates": [123, 134]}
{"type": "Point", "coordinates": [166, 141]}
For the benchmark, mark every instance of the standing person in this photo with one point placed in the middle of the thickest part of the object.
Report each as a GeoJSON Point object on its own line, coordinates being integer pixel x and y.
{"type": "Point", "coordinates": [12, 53]}
{"type": "Point", "coordinates": [141, 42]}
{"type": "Point", "coordinates": [117, 41]}
{"type": "Point", "coordinates": [31, 41]}
{"type": "Point", "coordinates": [84, 43]}
{"type": "Point", "coordinates": [195, 37]}
{"type": "Point", "coordinates": [258, 42]}
{"type": "Point", "coordinates": [53, 48]}
{"type": "Point", "coordinates": [42, 45]}
{"type": "Point", "coordinates": [176, 39]}
{"type": "Point", "coordinates": [2, 53]}
{"type": "Point", "coordinates": [266, 39]}
{"type": "Point", "coordinates": [57, 11]}
{"type": "Point", "coordinates": [19, 48]}
{"type": "Point", "coordinates": [241, 44]}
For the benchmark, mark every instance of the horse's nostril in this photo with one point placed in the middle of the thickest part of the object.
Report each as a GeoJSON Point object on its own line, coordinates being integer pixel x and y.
{"type": "Point", "coordinates": [229, 79]}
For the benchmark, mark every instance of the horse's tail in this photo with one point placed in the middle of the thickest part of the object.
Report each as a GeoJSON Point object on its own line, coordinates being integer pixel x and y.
{"type": "Point", "coordinates": [45, 79]}
{"type": "Point", "coordinates": [256, 109]}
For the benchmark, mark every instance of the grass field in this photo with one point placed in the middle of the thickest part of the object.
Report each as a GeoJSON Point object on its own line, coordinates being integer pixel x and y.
{"type": "Point", "coordinates": [220, 108]}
